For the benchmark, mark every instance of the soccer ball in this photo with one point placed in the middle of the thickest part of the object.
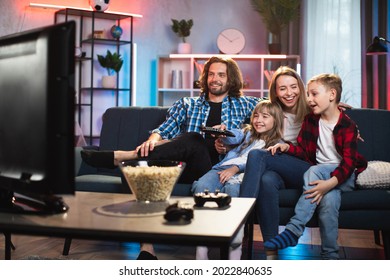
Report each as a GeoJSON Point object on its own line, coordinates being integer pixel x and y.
{"type": "Point", "coordinates": [99, 5]}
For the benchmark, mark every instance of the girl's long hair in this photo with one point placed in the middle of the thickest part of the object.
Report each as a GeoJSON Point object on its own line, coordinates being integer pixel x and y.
{"type": "Point", "coordinates": [274, 135]}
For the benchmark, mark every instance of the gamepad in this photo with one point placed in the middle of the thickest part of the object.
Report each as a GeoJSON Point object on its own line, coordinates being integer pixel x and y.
{"type": "Point", "coordinates": [179, 211]}
{"type": "Point", "coordinates": [222, 199]}
{"type": "Point", "coordinates": [216, 131]}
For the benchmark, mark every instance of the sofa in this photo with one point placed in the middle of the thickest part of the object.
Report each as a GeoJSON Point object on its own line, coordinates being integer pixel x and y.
{"type": "Point", "coordinates": [366, 208]}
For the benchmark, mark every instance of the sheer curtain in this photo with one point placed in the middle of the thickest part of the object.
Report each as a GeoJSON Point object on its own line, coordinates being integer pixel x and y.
{"type": "Point", "coordinates": [331, 42]}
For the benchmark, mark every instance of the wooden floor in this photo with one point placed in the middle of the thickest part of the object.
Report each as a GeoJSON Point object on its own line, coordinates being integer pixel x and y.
{"type": "Point", "coordinates": [354, 245]}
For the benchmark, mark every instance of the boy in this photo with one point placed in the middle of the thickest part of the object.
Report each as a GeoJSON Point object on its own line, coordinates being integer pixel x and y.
{"type": "Point", "coordinates": [328, 141]}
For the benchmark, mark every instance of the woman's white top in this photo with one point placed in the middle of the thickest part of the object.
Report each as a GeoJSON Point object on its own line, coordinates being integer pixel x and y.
{"type": "Point", "coordinates": [291, 128]}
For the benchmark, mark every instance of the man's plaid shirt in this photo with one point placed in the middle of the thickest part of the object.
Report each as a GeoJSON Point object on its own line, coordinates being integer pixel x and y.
{"type": "Point", "coordinates": [189, 114]}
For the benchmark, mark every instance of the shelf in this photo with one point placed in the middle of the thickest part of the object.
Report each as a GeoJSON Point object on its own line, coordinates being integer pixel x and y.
{"type": "Point", "coordinates": [87, 78]}
{"type": "Point", "coordinates": [95, 14]}
{"type": "Point", "coordinates": [102, 89]}
{"type": "Point", "coordinates": [256, 69]}
{"type": "Point", "coordinates": [239, 56]}
{"type": "Point", "coordinates": [113, 42]}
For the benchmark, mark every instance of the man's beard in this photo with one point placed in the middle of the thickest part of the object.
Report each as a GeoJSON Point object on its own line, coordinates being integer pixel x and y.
{"type": "Point", "coordinates": [220, 91]}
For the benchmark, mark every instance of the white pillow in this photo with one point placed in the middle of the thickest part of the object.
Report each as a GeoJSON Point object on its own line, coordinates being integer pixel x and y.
{"type": "Point", "coordinates": [376, 176]}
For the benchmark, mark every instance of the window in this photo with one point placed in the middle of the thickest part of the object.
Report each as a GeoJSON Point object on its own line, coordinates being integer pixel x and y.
{"type": "Point", "coordinates": [332, 44]}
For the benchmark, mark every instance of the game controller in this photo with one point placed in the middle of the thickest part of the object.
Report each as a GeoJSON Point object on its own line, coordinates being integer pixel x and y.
{"type": "Point", "coordinates": [216, 131]}
{"type": "Point", "coordinates": [222, 199]}
{"type": "Point", "coordinates": [179, 211]}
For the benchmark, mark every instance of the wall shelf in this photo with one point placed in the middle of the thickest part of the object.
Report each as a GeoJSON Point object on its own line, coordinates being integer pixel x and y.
{"type": "Point", "coordinates": [253, 67]}
{"type": "Point", "coordinates": [87, 81]}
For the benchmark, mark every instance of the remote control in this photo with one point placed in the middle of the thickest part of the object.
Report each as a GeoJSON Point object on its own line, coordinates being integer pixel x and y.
{"type": "Point", "coordinates": [222, 199]}
{"type": "Point", "coordinates": [216, 131]}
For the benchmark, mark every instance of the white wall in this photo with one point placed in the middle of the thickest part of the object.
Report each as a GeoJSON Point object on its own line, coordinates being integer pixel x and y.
{"type": "Point", "coordinates": [152, 33]}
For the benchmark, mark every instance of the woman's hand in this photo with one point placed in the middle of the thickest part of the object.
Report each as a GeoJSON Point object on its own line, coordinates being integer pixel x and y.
{"type": "Point", "coordinates": [283, 147]}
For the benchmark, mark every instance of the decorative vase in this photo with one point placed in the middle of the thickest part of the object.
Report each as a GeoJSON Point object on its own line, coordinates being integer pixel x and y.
{"type": "Point", "coordinates": [184, 48]}
{"type": "Point", "coordinates": [99, 5]}
{"type": "Point", "coordinates": [274, 44]}
{"type": "Point", "coordinates": [109, 81]}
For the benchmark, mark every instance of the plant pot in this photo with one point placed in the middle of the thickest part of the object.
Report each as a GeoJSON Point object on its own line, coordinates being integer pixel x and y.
{"type": "Point", "coordinates": [274, 45]}
{"type": "Point", "coordinates": [109, 81]}
{"type": "Point", "coordinates": [184, 48]}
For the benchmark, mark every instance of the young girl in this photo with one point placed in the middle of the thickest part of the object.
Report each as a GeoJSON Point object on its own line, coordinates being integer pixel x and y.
{"type": "Point", "coordinates": [265, 130]}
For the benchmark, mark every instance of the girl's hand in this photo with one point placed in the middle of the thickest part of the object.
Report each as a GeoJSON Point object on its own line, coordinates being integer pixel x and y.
{"type": "Point", "coordinates": [283, 147]}
{"type": "Point", "coordinates": [226, 174]}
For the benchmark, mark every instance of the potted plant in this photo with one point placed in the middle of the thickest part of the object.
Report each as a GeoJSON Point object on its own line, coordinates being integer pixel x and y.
{"type": "Point", "coordinates": [113, 64]}
{"type": "Point", "coordinates": [276, 15]}
{"type": "Point", "coordinates": [183, 29]}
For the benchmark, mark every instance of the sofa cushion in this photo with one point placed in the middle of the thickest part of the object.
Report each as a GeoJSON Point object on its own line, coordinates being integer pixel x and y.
{"type": "Point", "coordinates": [376, 176]}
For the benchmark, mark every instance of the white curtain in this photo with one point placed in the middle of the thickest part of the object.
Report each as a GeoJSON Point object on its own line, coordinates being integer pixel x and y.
{"type": "Point", "coordinates": [332, 44]}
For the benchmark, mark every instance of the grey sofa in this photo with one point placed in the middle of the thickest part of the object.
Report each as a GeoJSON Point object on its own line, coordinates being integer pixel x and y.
{"type": "Point", "coordinates": [126, 128]}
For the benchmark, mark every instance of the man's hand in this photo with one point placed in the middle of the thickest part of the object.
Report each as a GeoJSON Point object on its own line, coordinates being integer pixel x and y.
{"type": "Point", "coordinates": [226, 174]}
{"type": "Point", "coordinates": [149, 144]}
{"type": "Point", "coordinates": [221, 148]}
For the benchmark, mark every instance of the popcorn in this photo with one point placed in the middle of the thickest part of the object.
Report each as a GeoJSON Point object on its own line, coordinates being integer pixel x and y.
{"type": "Point", "coordinates": [151, 183]}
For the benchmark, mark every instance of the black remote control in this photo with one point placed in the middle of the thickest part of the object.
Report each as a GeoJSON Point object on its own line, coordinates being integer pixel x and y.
{"type": "Point", "coordinates": [216, 131]}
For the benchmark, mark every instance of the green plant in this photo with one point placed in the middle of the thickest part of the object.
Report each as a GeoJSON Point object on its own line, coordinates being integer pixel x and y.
{"type": "Point", "coordinates": [277, 14]}
{"type": "Point", "coordinates": [182, 28]}
{"type": "Point", "coordinates": [111, 61]}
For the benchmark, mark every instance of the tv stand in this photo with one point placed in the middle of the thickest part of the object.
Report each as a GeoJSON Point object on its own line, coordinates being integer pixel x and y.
{"type": "Point", "coordinates": [44, 205]}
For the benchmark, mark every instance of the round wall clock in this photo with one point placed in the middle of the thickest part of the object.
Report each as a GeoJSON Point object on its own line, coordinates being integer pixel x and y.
{"type": "Point", "coordinates": [231, 41]}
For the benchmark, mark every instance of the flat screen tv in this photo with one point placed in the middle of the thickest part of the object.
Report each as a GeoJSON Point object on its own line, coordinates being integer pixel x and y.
{"type": "Point", "coordinates": [37, 119]}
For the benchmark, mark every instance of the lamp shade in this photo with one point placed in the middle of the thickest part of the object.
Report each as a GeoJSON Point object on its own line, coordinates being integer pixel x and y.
{"type": "Point", "coordinates": [378, 46]}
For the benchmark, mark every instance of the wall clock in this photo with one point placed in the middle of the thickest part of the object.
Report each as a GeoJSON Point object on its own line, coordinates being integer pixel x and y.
{"type": "Point", "coordinates": [231, 41]}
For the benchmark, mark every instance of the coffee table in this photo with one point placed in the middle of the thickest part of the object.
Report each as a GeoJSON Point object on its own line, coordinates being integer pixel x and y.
{"type": "Point", "coordinates": [118, 217]}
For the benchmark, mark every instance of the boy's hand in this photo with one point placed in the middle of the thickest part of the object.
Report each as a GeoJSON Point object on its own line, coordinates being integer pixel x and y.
{"type": "Point", "coordinates": [283, 147]}
{"type": "Point", "coordinates": [320, 189]}
{"type": "Point", "coordinates": [226, 174]}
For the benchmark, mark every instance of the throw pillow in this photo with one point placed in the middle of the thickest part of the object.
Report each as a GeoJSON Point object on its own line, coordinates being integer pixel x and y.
{"type": "Point", "coordinates": [376, 176]}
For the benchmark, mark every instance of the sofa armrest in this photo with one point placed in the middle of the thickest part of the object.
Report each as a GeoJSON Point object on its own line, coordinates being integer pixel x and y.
{"type": "Point", "coordinates": [81, 168]}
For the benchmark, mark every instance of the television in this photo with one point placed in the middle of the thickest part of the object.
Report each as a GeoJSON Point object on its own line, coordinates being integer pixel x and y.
{"type": "Point", "coordinates": [37, 103]}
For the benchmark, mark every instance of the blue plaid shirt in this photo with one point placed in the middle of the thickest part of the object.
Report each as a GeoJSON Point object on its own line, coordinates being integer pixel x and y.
{"type": "Point", "coordinates": [189, 114]}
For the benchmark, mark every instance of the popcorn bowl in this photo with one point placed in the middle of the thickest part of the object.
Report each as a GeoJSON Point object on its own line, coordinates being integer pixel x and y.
{"type": "Point", "coordinates": [151, 180]}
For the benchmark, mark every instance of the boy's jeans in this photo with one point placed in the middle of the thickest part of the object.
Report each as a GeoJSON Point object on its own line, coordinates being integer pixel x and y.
{"type": "Point", "coordinates": [328, 209]}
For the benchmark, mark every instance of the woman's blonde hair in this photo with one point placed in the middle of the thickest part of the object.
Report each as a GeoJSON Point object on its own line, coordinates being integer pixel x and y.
{"type": "Point", "coordinates": [302, 107]}
{"type": "Point", "coordinates": [275, 134]}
